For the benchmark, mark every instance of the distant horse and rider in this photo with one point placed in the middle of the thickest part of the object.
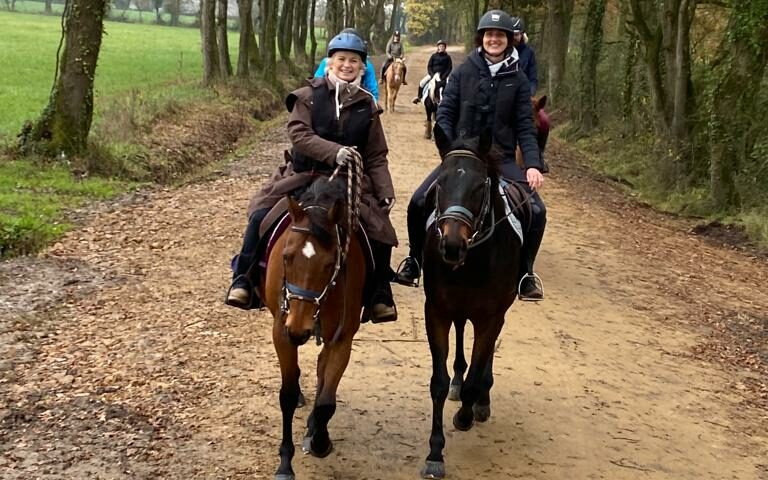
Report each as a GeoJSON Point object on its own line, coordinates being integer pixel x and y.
{"type": "Point", "coordinates": [393, 80]}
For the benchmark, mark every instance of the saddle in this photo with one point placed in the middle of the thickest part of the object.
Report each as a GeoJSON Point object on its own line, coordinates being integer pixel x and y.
{"type": "Point", "coordinates": [276, 222]}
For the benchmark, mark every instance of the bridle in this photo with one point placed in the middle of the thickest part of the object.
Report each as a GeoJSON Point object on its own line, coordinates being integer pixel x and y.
{"type": "Point", "coordinates": [295, 292]}
{"type": "Point", "coordinates": [464, 215]}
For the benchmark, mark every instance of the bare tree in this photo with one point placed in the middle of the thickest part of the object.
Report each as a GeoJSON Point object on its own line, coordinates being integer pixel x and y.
{"type": "Point", "coordinates": [66, 121]}
{"type": "Point", "coordinates": [591, 45]}
{"type": "Point", "coordinates": [559, 15]}
{"type": "Point", "coordinates": [225, 63]}
{"type": "Point", "coordinates": [211, 69]}
{"type": "Point", "coordinates": [267, 35]}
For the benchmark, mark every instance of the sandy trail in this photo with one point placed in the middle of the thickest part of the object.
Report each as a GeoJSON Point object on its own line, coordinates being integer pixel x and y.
{"type": "Point", "coordinates": [140, 372]}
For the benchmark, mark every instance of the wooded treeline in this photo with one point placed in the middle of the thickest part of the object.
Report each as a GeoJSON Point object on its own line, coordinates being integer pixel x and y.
{"type": "Point", "coordinates": [283, 33]}
{"type": "Point", "coordinates": [686, 77]}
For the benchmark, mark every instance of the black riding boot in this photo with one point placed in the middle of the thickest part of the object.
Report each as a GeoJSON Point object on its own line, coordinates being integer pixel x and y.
{"type": "Point", "coordinates": [383, 305]}
{"type": "Point", "coordinates": [530, 287]}
{"type": "Point", "coordinates": [243, 292]}
{"type": "Point", "coordinates": [410, 270]}
{"type": "Point", "coordinates": [417, 98]}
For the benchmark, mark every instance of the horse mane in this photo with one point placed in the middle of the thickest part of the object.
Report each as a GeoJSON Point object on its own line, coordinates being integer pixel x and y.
{"type": "Point", "coordinates": [325, 194]}
{"type": "Point", "coordinates": [492, 158]}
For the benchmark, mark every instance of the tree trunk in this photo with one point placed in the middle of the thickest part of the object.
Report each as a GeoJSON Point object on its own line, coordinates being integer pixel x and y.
{"type": "Point", "coordinates": [175, 12]}
{"type": "Point", "coordinates": [211, 70]}
{"type": "Point", "coordinates": [244, 8]}
{"type": "Point", "coordinates": [312, 38]}
{"type": "Point", "coordinates": [558, 34]}
{"type": "Point", "coordinates": [379, 28]}
{"type": "Point", "coordinates": [225, 63]}
{"type": "Point", "coordinates": [650, 35]}
{"type": "Point", "coordinates": [285, 31]}
{"type": "Point", "coordinates": [681, 110]}
{"type": "Point", "coordinates": [334, 17]}
{"type": "Point", "coordinates": [65, 123]}
{"type": "Point", "coordinates": [630, 61]}
{"type": "Point", "coordinates": [393, 20]}
{"type": "Point", "coordinates": [592, 42]}
{"type": "Point", "coordinates": [49, 6]}
{"type": "Point", "coordinates": [300, 31]}
{"type": "Point", "coordinates": [741, 69]}
{"type": "Point", "coordinates": [267, 37]}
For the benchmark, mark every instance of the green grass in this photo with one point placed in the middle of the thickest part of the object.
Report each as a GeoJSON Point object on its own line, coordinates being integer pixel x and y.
{"type": "Point", "coordinates": [33, 200]}
{"type": "Point", "coordinates": [133, 56]}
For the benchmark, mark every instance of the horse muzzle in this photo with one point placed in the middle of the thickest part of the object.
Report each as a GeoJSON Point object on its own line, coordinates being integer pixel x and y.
{"type": "Point", "coordinates": [454, 242]}
{"type": "Point", "coordinates": [298, 339]}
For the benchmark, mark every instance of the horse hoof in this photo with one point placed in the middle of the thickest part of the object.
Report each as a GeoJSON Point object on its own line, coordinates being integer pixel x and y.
{"type": "Point", "coordinates": [481, 412]}
{"type": "Point", "coordinates": [285, 476]}
{"type": "Point", "coordinates": [433, 470]}
{"type": "Point", "coordinates": [323, 453]}
{"type": "Point", "coordinates": [301, 401]}
{"type": "Point", "coordinates": [454, 393]}
{"type": "Point", "coordinates": [463, 426]}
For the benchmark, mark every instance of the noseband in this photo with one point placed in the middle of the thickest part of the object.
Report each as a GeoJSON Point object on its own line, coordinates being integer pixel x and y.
{"type": "Point", "coordinates": [295, 292]}
{"type": "Point", "coordinates": [464, 215]}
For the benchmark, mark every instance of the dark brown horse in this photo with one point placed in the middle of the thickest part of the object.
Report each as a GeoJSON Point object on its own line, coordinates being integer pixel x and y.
{"type": "Point", "coordinates": [314, 287]}
{"type": "Point", "coordinates": [471, 261]}
{"type": "Point", "coordinates": [541, 122]}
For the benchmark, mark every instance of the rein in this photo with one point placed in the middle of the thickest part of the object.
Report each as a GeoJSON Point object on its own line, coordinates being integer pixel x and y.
{"type": "Point", "coordinates": [295, 292]}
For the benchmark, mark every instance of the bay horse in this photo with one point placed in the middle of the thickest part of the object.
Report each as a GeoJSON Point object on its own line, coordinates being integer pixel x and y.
{"type": "Point", "coordinates": [393, 79]}
{"type": "Point", "coordinates": [313, 286]}
{"type": "Point", "coordinates": [435, 89]}
{"type": "Point", "coordinates": [471, 258]}
{"type": "Point", "coordinates": [541, 122]}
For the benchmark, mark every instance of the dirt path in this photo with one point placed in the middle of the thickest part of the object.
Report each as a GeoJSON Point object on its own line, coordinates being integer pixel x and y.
{"type": "Point", "coordinates": [140, 372]}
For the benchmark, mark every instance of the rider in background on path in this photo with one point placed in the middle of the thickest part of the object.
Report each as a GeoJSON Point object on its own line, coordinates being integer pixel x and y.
{"type": "Point", "coordinates": [369, 77]}
{"type": "Point", "coordinates": [440, 62]}
{"type": "Point", "coordinates": [489, 92]}
{"type": "Point", "coordinates": [527, 57]}
{"type": "Point", "coordinates": [395, 49]}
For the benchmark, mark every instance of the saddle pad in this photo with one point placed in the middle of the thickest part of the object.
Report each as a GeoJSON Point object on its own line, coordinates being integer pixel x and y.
{"type": "Point", "coordinates": [282, 225]}
{"type": "Point", "coordinates": [514, 222]}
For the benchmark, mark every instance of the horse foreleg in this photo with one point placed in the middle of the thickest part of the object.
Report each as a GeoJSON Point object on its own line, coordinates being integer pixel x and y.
{"type": "Point", "coordinates": [318, 442]}
{"type": "Point", "coordinates": [459, 363]}
{"type": "Point", "coordinates": [288, 356]}
{"type": "Point", "coordinates": [437, 333]}
{"type": "Point", "coordinates": [486, 332]}
{"type": "Point", "coordinates": [482, 407]}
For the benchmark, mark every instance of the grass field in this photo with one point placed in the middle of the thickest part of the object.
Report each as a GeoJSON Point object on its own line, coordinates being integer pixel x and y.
{"type": "Point", "coordinates": [133, 56]}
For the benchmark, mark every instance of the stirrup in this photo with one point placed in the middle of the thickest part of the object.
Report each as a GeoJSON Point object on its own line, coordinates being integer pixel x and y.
{"type": "Point", "coordinates": [537, 281]}
{"type": "Point", "coordinates": [398, 280]}
{"type": "Point", "coordinates": [251, 305]}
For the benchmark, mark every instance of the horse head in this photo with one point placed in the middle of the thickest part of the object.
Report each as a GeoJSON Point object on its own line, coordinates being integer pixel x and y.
{"type": "Point", "coordinates": [463, 190]}
{"type": "Point", "coordinates": [312, 256]}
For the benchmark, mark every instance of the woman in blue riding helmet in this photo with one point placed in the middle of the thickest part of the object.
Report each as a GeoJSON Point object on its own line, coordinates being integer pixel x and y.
{"type": "Point", "coordinates": [488, 92]}
{"type": "Point", "coordinates": [332, 121]}
{"type": "Point", "coordinates": [369, 77]}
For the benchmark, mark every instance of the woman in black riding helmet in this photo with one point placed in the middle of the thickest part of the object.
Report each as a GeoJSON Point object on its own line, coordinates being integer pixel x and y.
{"type": "Point", "coordinates": [489, 92]}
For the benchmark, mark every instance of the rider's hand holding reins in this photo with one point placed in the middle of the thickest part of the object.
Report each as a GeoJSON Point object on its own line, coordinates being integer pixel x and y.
{"type": "Point", "coordinates": [535, 178]}
{"type": "Point", "coordinates": [346, 155]}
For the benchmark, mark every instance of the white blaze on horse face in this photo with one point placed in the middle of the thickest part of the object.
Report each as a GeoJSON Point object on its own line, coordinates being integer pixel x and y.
{"type": "Point", "coordinates": [308, 250]}
{"type": "Point", "coordinates": [461, 172]}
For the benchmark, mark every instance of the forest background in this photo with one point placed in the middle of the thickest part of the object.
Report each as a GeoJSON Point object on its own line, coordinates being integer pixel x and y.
{"type": "Point", "coordinates": [666, 96]}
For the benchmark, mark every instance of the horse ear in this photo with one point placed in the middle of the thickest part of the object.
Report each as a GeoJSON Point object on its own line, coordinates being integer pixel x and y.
{"type": "Point", "coordinates": [542, 102]}
{"type": "Point", "coordinates": [294, 209]}
{"type": "Point", "coordinates": [336, 213]}
{"type": "Point", "coordinates": [485, 142]}
{"type": "Point", "coordinates": [441, 140]}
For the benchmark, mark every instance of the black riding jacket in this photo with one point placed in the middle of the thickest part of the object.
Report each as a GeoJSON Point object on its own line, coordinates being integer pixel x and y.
{"type": "Point", "coordinates": [474, 101]}
{"type": "Point", "coordinates": [440, 62]}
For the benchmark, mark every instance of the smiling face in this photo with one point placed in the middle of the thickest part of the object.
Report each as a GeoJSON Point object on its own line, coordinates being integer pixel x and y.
{"type": "Point", "coordinates": [346, 65]}
{"type": "Point", "coordinates": [441, 48]}
{"type": "Point", "coordinates": [495, 43]}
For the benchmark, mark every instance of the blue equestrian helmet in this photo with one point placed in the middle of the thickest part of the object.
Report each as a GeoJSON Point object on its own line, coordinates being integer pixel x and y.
{"type": "Point", "coordinates": [348, 42]}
